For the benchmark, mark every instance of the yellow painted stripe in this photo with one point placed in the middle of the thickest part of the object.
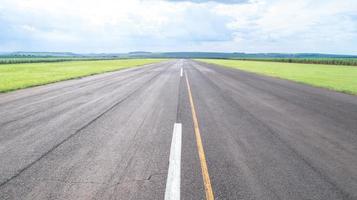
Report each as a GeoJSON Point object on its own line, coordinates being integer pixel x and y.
{"type": "Point", "coordinates": [201, 152]}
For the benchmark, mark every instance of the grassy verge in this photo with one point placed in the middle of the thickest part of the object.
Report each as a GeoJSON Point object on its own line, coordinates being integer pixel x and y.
{"type": "Point", "coordinates": [18, 76]}
{"type": "Point", "coordinates": [334, 77]}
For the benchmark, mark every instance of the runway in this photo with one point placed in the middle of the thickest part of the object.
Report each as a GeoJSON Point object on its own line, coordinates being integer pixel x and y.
{"type": "Point", "coordinates": [110, 136]}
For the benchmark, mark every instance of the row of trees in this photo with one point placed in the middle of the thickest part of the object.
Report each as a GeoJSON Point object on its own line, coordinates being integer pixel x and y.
{"type": "Point", "coordinates": [329, 61]}
{"type": "Point", "coordinates": [41, 60]}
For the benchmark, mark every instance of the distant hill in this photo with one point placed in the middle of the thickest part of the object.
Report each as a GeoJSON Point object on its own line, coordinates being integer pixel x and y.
{"type": "Point", "coordinates": [145, 54]}
{"type": "Point", "coordinates": [41, 54]}
{"type": "Point", "coordinates": [139, 52]}
{"type": "Point", "coordinates": [246, 55]}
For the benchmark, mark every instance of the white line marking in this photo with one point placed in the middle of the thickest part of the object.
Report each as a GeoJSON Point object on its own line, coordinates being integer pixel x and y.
{"type": "Point", "coordinates": [181, 73]}
{"type": "Point", "coordinates": [173, 190]}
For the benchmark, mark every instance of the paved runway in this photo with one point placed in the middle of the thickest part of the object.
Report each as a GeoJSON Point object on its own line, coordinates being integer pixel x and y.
{"type": "Point", "coordinates": [110, 136]}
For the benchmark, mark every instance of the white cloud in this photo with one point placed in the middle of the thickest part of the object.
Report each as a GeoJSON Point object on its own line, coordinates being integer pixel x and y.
{"type": "Point", "coordinates": [158, 25]}
{"type": "Point", "coordinates": [292, 26]}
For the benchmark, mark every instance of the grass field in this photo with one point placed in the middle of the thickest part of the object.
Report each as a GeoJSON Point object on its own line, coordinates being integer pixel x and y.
{"type": "Point", "coordinates": [18, 76]}
{"type": "Point", "coordinates": [334, 77]}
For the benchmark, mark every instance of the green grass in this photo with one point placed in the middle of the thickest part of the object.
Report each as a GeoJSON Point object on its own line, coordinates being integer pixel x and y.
{"type": "Point", "coordinates": [335, 77]}
{"type": "Point", "coordinates": [18, 76]}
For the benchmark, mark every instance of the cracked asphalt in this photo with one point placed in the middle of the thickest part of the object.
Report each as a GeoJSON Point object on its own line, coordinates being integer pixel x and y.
{"type": "Point", "coordinates": [108, 136]}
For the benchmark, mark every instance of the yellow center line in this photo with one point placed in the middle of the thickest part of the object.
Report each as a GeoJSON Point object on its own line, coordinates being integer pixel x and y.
{"type": "Point", "coordinates": [201, 152]}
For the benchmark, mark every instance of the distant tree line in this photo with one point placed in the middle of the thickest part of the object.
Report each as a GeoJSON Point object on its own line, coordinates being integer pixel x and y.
{"type": "Point", "coordinates": [35, 59]}
{"type": "Point", "coordinates": [18, 59]}
{"type": "Point", "coordinates": [328, 61]}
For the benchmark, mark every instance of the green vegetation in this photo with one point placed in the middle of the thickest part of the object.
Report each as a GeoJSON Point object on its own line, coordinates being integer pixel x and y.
{"type": "Point", "coordinates": [17, 60]}
{"type": "Point", "coordinates": [327, 61]}
{"type": "Point", "coordinates": [17, 76]}
{"type": "Point", "coordinates": [37, 57]}
{"type": "Point", "coordinates": [335, 77]}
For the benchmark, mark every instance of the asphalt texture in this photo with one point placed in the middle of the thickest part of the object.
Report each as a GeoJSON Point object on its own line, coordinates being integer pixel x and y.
{"type": "Point", "coordinates": [108, 136]}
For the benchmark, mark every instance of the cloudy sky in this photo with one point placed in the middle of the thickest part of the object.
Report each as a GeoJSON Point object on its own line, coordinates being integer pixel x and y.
{"type": "Point", "coordinates": [325, 26]}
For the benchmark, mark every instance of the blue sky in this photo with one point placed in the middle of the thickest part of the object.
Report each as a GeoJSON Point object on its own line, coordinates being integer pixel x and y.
{"type": "Point", "coordinates": [324, 26]}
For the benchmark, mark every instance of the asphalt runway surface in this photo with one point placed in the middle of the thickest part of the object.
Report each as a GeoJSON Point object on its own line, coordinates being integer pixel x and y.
{"type": "Point", "coordinates": [240, 136]}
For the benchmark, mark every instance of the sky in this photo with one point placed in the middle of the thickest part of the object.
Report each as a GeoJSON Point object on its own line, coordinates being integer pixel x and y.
{"type": "Point", "coordinates": [108, 26]}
